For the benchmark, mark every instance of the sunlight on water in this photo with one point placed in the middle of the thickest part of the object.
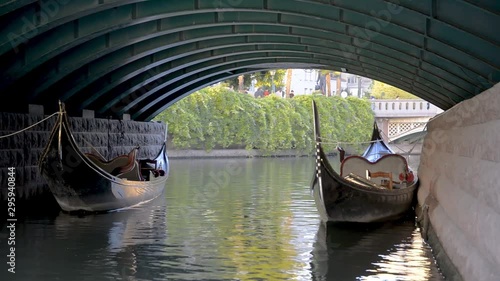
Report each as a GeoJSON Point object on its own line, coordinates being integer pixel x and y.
{"type": "Point", "coordinates": [409, 260]}
{"type": "Point", "coordinates": [245, 219]}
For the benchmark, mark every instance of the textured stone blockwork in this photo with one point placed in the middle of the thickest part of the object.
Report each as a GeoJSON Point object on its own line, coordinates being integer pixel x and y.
{"type": "Point", "coordinates": [459, 186]}
{"type": "Point", "coordinates": [109, 137]}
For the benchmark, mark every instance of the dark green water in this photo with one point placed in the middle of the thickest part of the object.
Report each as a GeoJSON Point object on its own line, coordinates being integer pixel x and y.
{"type": "Point", "coordinates": [242, 219]}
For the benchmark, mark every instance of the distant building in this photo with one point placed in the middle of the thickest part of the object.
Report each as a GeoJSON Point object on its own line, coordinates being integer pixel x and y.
{"type": "Point", "coordinates": [351, 85]}
{"type": "Point", "coordinates": [305, 82]}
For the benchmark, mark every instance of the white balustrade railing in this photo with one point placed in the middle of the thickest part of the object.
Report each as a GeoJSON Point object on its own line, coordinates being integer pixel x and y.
{"type": "Point", "coordinates": [404, 108]}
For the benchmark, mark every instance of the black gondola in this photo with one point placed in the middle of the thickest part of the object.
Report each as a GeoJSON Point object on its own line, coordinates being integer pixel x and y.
{"type": "Point", "coordinates": [86, 182]}
{"type": "Point", "coordinates": [378, 186]}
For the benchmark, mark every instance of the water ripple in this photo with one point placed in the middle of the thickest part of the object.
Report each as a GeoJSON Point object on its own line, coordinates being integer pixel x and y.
{"type": "Point", "coordinates": [245, 219]}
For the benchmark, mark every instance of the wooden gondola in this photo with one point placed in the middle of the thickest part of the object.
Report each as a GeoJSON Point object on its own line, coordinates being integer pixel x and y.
{"type": "Point", "coordinates": [378, 186]}
{"type": "Point", "coordinates": [86, 182]}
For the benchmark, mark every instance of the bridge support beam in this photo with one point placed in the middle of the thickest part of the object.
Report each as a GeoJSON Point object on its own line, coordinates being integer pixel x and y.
{"type": "Point", "coordinates": [460, 189]}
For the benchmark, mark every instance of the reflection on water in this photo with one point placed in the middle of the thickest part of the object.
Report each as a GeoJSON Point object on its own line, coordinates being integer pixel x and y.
{"type": "Point", "coordinates": [391, 251]}
{"type": "Point", "coordinates": [245, 219]}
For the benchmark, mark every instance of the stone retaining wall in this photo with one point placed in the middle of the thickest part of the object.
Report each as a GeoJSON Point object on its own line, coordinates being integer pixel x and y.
{"type": "Point", "coordinates": [233, 153]}
{"type": "Point", "coordinates": [109, 137]}
{"type": "Point", "coordinates": [459, 191]}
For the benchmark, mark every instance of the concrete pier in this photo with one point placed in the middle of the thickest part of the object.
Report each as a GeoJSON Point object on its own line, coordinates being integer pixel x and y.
{"type": "Point", "coordinates": [460, 188]}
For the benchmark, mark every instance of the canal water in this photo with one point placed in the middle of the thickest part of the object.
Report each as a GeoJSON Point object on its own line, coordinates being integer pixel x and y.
{"type": "Point", "coordinates": [230, 219]}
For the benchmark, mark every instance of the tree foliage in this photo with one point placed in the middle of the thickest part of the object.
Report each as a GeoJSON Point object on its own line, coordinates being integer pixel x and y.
{"type": "Point", "coordinates": [217, 117]}
{"type": "Point", "coordinates": [263, 79]}
{"type": "Point", "coordinates": [234, 82]}
{"type": "Point", "coordinates": [385, 91]}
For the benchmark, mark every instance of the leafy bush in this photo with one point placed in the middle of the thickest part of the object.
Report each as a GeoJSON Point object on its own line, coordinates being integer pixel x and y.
{"type": "Point", "coordinates": [216, 117]}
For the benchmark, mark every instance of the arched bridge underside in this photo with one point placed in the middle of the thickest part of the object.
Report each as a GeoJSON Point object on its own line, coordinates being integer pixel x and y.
{"type": "Point", "coordinates": [139, 57]}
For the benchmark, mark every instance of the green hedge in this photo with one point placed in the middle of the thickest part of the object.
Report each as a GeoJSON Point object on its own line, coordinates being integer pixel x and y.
{"type": "Point", "coordinates": [217, 117]}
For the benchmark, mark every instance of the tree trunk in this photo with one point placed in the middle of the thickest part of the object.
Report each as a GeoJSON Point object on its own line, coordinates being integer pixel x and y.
{"type": "Point", "coordinates": [288, 82]}
{"type": "Point", "coordinates": [339, 81]}
{"type": "Point", "coordinates": [328, 85]}
{"type": "Point", "coordinates": [241, 79]}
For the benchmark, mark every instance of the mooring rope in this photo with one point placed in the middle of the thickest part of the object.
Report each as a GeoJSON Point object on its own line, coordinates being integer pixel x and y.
{"type": "Point", "coordinates": [95, 151]}
{"type": "Point", "coordinates": [338, 143]}
{"type": "Point", "coordinates": [342, 142]}
{"type": "Point", "coordinates": [29, 127]}
{"type": "Point", "coordinates": [398, 147]}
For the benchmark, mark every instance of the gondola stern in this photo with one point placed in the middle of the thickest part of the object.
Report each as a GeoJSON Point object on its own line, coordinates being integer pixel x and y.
{"type": "Point", "coordinates": [317, 147]}
{"type": "Point", "coordinates": [322, 164]}
{"type": "Point", "coordinates": [376, 132]}
{"type": "Point", "coordinates": [324, 172]}
{"type": "Point", "coordinates": [317, 136]}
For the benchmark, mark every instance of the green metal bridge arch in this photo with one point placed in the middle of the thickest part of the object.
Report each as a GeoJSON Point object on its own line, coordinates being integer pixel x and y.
{"type": "Point", "coordinates": [139, 57]}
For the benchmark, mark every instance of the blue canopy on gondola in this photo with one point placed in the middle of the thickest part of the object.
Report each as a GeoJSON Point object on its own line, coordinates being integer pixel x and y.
{"type": "Point", "coordinates": [377, 147]}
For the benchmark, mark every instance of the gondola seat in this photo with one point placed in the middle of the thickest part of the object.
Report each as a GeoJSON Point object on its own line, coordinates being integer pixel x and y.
{"type": "Point", "coordinates": [123, 166]}
{"type": "Point", "coordinates": [150, 169]}
{"type": "Point", "coordinates": [132, 173]}
{"type": "Point", "coordinates": [389, 167]}
{"type": "Point", "coordinates": [110, 165]}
